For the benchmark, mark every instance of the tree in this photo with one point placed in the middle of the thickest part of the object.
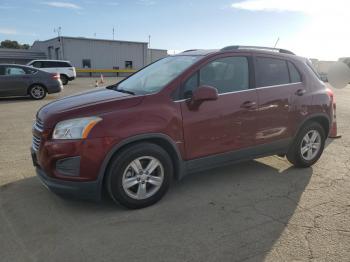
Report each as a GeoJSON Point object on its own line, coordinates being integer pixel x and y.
{"type": "Point", "coordinates": [13, 45]}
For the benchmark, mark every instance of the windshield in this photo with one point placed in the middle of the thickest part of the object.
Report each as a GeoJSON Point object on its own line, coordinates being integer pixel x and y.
{"type": "Point", "coordinates": [154, 77]}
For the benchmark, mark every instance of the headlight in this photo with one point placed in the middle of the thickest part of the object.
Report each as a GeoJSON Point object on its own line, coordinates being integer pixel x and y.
{"type": "Point", "coordinates": [78, 128]}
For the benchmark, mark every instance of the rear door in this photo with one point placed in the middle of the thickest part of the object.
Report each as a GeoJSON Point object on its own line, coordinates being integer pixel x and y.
{"type": "Point", "coordinates": [277, 83]}
{"type": "Point", "coordinates": [51, 66]}
{"type": "Point", "coordinates": [13, 81]}
{"type": "Point", "coordinates": [228, 123]}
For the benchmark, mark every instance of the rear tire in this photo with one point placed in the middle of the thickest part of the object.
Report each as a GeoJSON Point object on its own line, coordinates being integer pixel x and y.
{"type": "Point", "coordinates": [64, 79]}
{"type": "Point", "coordinates": [37, 92]}
{"type": "Point", "coordinates": [139, 176]}
{"type": "Point", "coordinates": [308, 146]}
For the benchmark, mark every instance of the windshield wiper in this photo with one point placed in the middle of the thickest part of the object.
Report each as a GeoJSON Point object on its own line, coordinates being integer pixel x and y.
{"type": "Point", "coordinates": [125, 91]}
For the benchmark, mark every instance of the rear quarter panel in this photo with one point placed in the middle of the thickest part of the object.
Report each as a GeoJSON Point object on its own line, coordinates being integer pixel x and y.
{"type": "Point", "coordinates": [315, 102]}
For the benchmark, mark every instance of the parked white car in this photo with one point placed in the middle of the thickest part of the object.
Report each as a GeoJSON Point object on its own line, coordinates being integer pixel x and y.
{"type": "Point", "coordinates": [64, 68]}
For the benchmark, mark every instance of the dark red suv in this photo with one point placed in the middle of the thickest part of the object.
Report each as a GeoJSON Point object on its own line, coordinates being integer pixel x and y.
{"type": "Point", "coordinates": [184, 113]}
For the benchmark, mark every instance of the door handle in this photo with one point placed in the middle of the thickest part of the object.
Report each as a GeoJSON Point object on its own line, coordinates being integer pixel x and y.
{"type": "Point", "coordinates": [248, 104]}
{"type": "Point", "coordinates": [300, 92]}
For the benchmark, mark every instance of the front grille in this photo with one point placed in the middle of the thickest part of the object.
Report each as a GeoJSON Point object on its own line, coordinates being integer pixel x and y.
{"type": "Point", "coordinates": [36, 142]}
{"type": "Point", "coordinates": [39, 125]}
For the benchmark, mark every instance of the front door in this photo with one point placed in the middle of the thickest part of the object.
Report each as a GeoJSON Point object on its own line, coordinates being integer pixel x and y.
{"type": "Point", "coordinates": [228, 123]}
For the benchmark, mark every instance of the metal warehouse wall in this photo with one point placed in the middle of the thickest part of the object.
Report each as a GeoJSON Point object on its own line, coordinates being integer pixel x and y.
{"type": "Point", "coordinates": [155, 54]}
{"type": "Point", "coordinates": [104, 54]}
{"type": "Point", "coordinates": [44, 45]}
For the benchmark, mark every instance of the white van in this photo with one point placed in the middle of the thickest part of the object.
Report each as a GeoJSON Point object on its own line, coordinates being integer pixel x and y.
{"type": "Point", "coordinates": [64, 68]}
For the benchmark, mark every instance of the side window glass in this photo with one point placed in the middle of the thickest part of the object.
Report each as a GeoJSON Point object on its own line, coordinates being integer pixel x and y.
{"type": "Point", "coordinates": [227, 74]}
{"type": "Point", "coordinates": [30, 71]}
{"type": "Point", "coordinates": [14, 71]}
{"type": "Point", "coordinates": [294, 74]}
{"type": "Point", "coordinates": [271, 71]}
{"type": "Point", "coordinates": [190, 85]}
{"type": "Point", "coordinates": [37, 64]}
{"type": "Point", "coordinates": [47, 64]}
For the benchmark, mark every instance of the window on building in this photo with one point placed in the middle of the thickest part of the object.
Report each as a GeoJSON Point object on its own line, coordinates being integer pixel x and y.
{"type": "Point", "coordinates": [49, 51]}
{"type": "Point", "coordinates": [271, 71]}
{"type": "Point", "coordinates": [294, 74]}
{"type": "Point", "coordinates": [86, 63]}
{"type": "Point", "coordinates": [57, 53]}
{"type": "Point", "coordinates": [128, 64]}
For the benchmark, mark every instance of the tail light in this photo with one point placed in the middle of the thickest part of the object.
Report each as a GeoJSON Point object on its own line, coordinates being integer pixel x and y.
{"type": "Point", "coordinates": [331, 94]}
{"type": "Point", "coordinates": [56, 76]}
{"type": "Point", "coordinates": [334, 129]}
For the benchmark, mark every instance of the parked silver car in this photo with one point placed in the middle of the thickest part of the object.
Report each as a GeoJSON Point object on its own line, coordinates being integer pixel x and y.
{"type": "Point", "coordinates": [19, 80]}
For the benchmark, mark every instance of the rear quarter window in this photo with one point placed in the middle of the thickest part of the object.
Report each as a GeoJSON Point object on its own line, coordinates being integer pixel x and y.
{"type": "Point", "coordinates": [309, 64]}
{"type": "Point", "coordinates": [63, 64]}
{"type": "Point", "coordinates": [55, 64]}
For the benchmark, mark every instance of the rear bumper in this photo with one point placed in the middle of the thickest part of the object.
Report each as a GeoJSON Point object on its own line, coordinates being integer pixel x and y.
{"type": "Point", "coordinates": [55, 88]}
{"type": "Point", "coordinates": [83, 190]}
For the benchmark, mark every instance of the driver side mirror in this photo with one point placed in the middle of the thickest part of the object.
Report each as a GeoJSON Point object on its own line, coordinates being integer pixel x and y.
{"type": "Point", "coordinates": [204, 93]}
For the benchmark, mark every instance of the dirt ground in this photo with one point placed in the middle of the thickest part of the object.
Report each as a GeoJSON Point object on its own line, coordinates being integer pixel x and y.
{"type": "Point", "coordinates": [261, 210]}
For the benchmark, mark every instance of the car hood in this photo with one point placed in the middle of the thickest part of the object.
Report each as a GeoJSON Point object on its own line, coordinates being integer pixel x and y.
{"type": "Point", "coordinates": [89, 103]}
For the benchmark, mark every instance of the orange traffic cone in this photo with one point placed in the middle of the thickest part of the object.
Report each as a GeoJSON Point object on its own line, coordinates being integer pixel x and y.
{"type": "Point", "coordinates": [101, 79]}
{"type": "Point", "coordinates": [334, 129]}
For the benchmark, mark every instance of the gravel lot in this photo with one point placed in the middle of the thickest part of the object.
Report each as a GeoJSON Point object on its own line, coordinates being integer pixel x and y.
{"type": "Point", "coordinates": [262, 210]}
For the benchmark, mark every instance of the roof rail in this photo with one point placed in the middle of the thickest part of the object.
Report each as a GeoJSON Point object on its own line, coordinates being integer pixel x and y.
{"type": "Point", "coordinates": [189, 50]}
{"type": "Point", "coordinates": [236, 47]}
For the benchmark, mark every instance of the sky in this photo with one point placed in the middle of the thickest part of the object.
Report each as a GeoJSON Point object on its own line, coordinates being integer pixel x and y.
{"type": "Point", "coordinates": [311, 28]}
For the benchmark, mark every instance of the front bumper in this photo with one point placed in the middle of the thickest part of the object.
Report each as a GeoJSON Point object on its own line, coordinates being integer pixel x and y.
{"type": "Point", "coordinates": [78, 189]}
{"type": "Point", "coordinates": [83, 190]}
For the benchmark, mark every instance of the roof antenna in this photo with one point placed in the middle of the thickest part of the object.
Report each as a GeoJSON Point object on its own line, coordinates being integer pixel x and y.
{"type": "Point", "coordinates": [278, 39]}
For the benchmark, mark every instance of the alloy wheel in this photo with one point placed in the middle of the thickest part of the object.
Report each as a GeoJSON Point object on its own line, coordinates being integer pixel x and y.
{"type": "Point", "coordinates": [37, 92]}
{"type": "Point", "coordinates": [143, 177]}
{"type": "Point", "coordinates": [310, 145]}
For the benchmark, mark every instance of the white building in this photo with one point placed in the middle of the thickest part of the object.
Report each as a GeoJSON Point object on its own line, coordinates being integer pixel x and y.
{"type": "Point", "coordinates": [99, 53]}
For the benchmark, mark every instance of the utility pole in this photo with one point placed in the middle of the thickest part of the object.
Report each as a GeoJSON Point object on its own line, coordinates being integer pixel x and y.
{"type": "Point", "coordinates": [113, 32]}
{"type": "Point", "coordinates": [149, 49]}
{"type": "Point", "coordinates": [58, 31]}
{"type": "Point", "coordinates": [278, 39]}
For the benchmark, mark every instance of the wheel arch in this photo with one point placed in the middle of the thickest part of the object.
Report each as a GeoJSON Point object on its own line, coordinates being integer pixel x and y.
{"type": "Point", "coordinates": [322, 119]}
{"type": "Point", "coordinates": [161, 140]}
{"type": "Point", "coordinates": [36, 84]}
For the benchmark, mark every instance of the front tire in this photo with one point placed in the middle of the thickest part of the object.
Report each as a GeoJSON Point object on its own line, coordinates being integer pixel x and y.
{"type": "Point", "coordinates": [308, 146]}
{"type": "Point", "coordinates": [37, 92]}
{"type": "Point", "coordinates": [139, 176]}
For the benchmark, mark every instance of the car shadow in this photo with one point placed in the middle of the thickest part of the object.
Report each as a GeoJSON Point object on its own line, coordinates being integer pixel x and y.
{"type": "Point", "coordinates": [20, 99]}
{"type": "Point", "coordinates": [231, 213]}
